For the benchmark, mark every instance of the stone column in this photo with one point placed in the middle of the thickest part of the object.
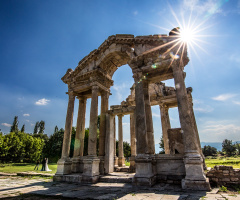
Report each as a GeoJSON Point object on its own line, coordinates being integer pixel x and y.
{"type": "Point", "coordinates": [196, 132]}
{"type": "Point", "coordinates": [102, 133]}
{"type": "Point", "coordinates": [165, 126]}
{"type": "Point", "coordinates": [115, 155]}
{"type": "Point", "coordinates": [121, 159]}
{"type": "Point", "coordinates": [149, 122]}
{"type": "Point", "coordinates": [91, 162]}
{"type": "Point", "coordinates": [92, 140]}
{"type": "Point", "coordinates": [195, 178]}
{"type": "Point", "coordinates": [64, 164]}
{"type": "Point", "coordinates": [143, 161]}
{"type": "Point", "coordinates": [77, 165]}
{"type": "Point", "coordinates": [109, 147]}
{"type": "Point", "coordinates": [133, 143]}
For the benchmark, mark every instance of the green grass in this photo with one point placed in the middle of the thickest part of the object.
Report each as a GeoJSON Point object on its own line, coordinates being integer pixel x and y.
{"type": "Point", "coordinates": [26, 167]}
{"type": "Point", "coordinates": [228, 161]}
{"type": "Point", "coordinates": [127, 163]}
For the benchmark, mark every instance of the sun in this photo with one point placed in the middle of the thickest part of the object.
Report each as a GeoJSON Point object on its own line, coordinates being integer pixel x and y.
{"type": "Point", "coordinates": [187, 35]}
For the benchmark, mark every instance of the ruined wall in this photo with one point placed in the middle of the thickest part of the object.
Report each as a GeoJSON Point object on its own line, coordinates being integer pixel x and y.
{"type": "Point", "coordinates": [224, 175]}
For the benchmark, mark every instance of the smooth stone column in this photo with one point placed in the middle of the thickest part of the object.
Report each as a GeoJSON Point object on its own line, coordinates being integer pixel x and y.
{"type": "Point", "coordinates": [195, 178]}
{"type": "Point", "coordinates": [64, 164]}
{"type": "Point", "coordinates": [102, 131]}
{"type": "Point", "coordinates": [143, 161]}
{"type": "Point", "coordinates": [91, 162]}
{"type": "Point", "coordinates": [149, 122]}
{"type": "Point", "coordinates": [109, 147]}
{"type": "Point", "coordinates": [133, 143]}
{"type": "Point", "coordinates": [121, 159]}
{"type": "Point", "coordinates": [165, 126]}
{"type": "Point", "coordinates": [115, 148]}
{"type": "Point", "coordinates": [77, 165]}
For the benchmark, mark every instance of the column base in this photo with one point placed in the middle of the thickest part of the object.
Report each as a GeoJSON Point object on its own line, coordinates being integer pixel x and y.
{"type": "Point", "coordinates": [115, 161]}
{"type": "Point", "coordinates": [132, 168]}
{"type": "Point", "coordinates": [121, 161]}
{"type": "Point", "coordinates": [196, 185]}
{"type": "Point", "coordinates": [144, 171]}
{"type": "Point", "coordinates": [90, 169]}
{"type": "Point", "coordinates": [77, 165]}
{"type": "Point", "coordinates": [64, 166]}
{"type": "Point", "coordinates": [195, 178]}
{"type": "Point", "coordinates": [101, 165]}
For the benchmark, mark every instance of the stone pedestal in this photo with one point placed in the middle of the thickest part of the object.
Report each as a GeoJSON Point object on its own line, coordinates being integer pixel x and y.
{"type": "Point", "coordinates": [64, 167]}
{"type": "Point", "coordinates": [90, 169]}
{"type": "Point", "coordinates": [132, 167]}
{"type": "Point", "coordinates": [144, 171]}
{"type": "Point", "coordinates": [101, 165]}
{"type": "Point", "coordinates": [195, 178]}
{"type": "Point", "coordinates": [115, 161]}
{"type": "Point", "coordinates": [121, 161]}
{"type": "Point", "coordinates": [77, 165]}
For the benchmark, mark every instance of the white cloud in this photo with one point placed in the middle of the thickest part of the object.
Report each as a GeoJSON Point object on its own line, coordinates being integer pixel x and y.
{"type": "Point", "coordinates": [235, 58]}
{"type": "Point", "coordinates": [207, 7]}
{"type": "Point", "coordinates": [27, 120]}
{"type": "Point", "coordinates": [206, 109]}
{"type": "Point", "coordinates": [156, 114]}
{"type": "Point", "coordinates": [217, 131]}
{"type": "Point", "coordinates": [42, 102]}
{"type": "Point", "coordinates": [26, 115]}
{"type": "Point", "coordinates": [223, 97]}
{"type": "Point", "coordinates": [125, 124]}
{"type": "Point", "coordinates": [6, 124]}
{"type": "Point", "coordinates": [121, 90]}
{"type": "Point", "coordinates": [135, 12]}
{"type": "Point", "coordinates": [236, 102]}
{"type": "Point", "coordinates": [32, 124]}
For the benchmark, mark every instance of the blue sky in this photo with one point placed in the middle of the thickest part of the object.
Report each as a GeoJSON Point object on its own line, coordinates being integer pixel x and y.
{"type": "Point", "coordinates": [40, 40]}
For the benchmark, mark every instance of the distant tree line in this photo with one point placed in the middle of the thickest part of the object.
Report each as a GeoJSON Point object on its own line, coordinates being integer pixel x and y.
{"type": "Point", "coordinates": [19, 146]}
{"type": "Point", "coordinates": [228, 148]}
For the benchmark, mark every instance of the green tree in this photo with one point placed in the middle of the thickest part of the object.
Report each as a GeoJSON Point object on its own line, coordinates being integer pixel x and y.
{"type": "Point", "coordinates": [85, 152]}
{"type": "Point", "coordinates": [209, 151]}
{"type": "Point", "coordinates": [228, 147]}
{"type": "Point", "coordinates": [55, 129]}
{"type": "Point", "coordinates": [36, 127]}
{"type": "Point", "coordinates": [161, 145]}
{"type": "Point", "coordinates": [126, 149]}
{"type": "Point", "coordinates": [237, 145]}
{"type": "Point", "coordinates": [23, 128]}
{"type": "Point", "coordinates": [14, 127]}
{"type": "Point", "coordinates": [41, 126]}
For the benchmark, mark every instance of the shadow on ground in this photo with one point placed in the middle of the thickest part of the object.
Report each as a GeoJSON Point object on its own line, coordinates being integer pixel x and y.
{"type": "Point", "coordinates": [16, 188]}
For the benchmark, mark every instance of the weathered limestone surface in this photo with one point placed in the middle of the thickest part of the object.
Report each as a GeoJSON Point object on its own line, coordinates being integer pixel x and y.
{"type": "Point", "coordinates": [193, 160]}
{"type": "Point", "coordinates": [121, 159]}
{"type": "Point", "coordinates": [64, 164]}
{"type": "Point", "coordinates": [224, 175]}
{"type": "Point", "coordinates": [92, 140]}
{"type": "Point", "coordinates": [77, 164]}
{"type": "Point", "coordinates": [133, 143]}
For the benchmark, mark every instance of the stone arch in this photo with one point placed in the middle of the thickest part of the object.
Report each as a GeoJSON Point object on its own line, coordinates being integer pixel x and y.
{"type": "Point", "coordinates": [152, 59]}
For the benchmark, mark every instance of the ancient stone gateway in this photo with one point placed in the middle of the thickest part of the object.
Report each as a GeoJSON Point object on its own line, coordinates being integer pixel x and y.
{"type": "Point", "coordinates": [152, 59]}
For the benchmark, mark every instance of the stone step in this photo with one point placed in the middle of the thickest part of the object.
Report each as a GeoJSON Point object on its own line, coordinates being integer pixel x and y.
{"type": "Point", "coordinates": [121, 169]}
{"type": "Point", "coordinates": [118, 177]}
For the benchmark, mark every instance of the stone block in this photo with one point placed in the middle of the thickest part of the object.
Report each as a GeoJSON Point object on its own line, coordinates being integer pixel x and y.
{"type": "Point", "coordinates": [64, 167]}
{"type": "Point", "coordinates": [196, 185]}
{"type": "Point", "coordinates": [225, 179]}
{"type": "Point", "coordinates": [225, 172]}
{"type": "Point", "coordinates": [234, 179]}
